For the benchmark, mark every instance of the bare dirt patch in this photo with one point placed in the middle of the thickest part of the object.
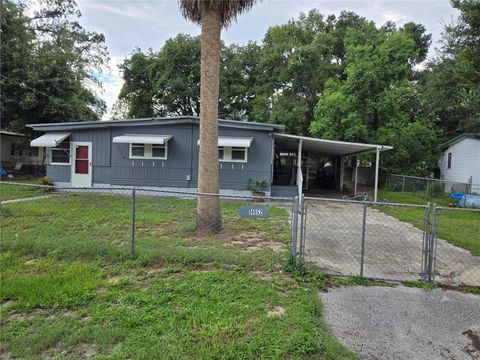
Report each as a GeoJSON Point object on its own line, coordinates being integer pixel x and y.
{"type": "Point", "coordinates": [251, 241]}
{"type": "Point", "coordinates": [277, 311]}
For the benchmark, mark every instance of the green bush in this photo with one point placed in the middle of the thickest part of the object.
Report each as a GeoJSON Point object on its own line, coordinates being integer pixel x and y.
{"type": "Point", "coordinates": [436, 190]}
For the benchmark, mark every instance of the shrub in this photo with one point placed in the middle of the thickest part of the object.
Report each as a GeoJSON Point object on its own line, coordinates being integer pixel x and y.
{"type": "Point", "coordinates": [436, 189]}
{"type": "Point", "coordinates": [45, 180]}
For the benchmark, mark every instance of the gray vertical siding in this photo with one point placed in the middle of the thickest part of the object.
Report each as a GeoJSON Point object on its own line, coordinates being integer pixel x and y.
{"type": "Point", "coordinates": [112, 165]}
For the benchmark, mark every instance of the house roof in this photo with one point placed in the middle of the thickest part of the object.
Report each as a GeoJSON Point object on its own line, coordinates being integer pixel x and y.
{"type": "Point", "coordinates": [10, 133]}
{"type": "Point", "coordinates": [459, 138]}
{"type": "Point", "coordinates": [326, 147]}
{"type": "Point", "coordinates": [151, 121]}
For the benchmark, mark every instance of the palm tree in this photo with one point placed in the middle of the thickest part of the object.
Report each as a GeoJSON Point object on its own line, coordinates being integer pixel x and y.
{"type": "Point", "coordinates": [212, 15]}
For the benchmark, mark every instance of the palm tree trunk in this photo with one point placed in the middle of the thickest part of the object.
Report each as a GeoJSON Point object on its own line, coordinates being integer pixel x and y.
{"type": "Point", "coordinates": [208, 207]}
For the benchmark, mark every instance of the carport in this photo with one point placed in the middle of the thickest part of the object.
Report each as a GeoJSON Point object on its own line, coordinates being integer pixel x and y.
{"type": "Point", "coordinates": [303, 146]}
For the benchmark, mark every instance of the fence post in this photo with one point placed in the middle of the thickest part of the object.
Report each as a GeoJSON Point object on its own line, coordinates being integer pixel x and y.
{"type": "Point", "coordinates": [302, 227]}
{"type": "Point", "coordinates": [432, 246]}
{"type": "Point", "coordinates": [433, 255]}
{"type": "Point", "coordinates": [293, 249]}
{"type": "Point", "coordinates": [428, 188]}
{"type": "Point", "coordinates": [403, 183]}
{"type": "Point", "coordinates": [362, 246]}
{"type": "Point", "coordinates": [425, 243]}
{"type": "Point", "coordinates": [132, 243]}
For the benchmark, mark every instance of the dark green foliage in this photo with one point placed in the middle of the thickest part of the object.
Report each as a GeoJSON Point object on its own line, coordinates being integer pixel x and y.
{"type": "Point", "coordinates": [47, 60]}
{"type": "Point", "coordinates": [167, 83]}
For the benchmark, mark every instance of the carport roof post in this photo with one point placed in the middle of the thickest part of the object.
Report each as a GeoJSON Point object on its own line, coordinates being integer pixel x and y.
{"type": "Point", "coordinates": [299, 170]}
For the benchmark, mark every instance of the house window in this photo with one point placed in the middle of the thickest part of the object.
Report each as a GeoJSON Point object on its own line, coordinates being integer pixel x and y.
{"type": "Point", "coordinates": [159, 151]}
{"type": "Point", "coordinates": [449, 161]}
{"type": "Point", "coordinates": [61, 153]}
{"type": "Point", "coordinates": [137, 150]}
{"type": "Point", "coordinates": [239, 154]}
{"type": "Point", "coordinates": [148, 151]}
{"type": "Point", "coordinates": [16, 149]}
{"type": "Point", "coordinates": [232, 154]}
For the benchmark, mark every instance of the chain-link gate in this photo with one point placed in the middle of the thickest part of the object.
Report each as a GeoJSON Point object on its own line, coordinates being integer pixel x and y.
{"type": "Point", "coordinates": [361, 238]}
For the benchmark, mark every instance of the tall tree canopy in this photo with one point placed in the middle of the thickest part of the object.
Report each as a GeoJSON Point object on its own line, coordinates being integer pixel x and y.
{"type": "Point", "coordinates": [167, 82]}
{"type": "Point", "coordinates": [452, 81]}
{"type": "Point", "coordinates": [47, 72]}
{"type": "Point", "coordinates": [378, 101]}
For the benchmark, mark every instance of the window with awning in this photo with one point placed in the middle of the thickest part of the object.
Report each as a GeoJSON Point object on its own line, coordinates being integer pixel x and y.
{"type": "Point", "coordinates": [145, 146]}
{"type": "Point", "coordinates": [233, 149]}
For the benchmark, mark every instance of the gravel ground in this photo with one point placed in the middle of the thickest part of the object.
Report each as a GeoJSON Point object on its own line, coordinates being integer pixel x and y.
{"type": "Point", "coordinates": [393, 249]}
{"type": "Point", "coordinates": [404, 323]}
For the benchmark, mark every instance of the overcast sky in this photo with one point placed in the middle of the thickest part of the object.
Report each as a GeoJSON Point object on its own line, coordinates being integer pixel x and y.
{"type": "Point", "coordinates": [147, 24]}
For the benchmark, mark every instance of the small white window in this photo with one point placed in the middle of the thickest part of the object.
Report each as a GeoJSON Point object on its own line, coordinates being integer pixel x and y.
{"type": "Point", "coordinates": [232, 154]}
{"type": "Point", "coordinates": [61, 153]}
{"type": "Point", "coordinates": [137, 150]}
{"type": "Point", "coordinates": [148, 151]}
{"type": "Point", "coordinates": [159, 151]}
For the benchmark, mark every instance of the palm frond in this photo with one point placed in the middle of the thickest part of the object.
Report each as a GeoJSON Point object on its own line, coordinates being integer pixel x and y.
{"type": "Point", "coordinates": [229, 9]}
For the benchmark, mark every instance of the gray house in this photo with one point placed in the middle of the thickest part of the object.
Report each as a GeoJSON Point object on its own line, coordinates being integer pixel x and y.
{"type": "Point", "coordinates": [163, 153]}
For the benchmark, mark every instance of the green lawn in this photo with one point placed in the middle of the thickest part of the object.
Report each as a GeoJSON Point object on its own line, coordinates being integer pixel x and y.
{"type": "Point", "coordinates": [69, 289]}
{"type": "Point", "coordinates": [9, 192]}
{"type": "Point", "coordinates": [415, 198]}
{"type": "Point", "coordinates": [460, 228]}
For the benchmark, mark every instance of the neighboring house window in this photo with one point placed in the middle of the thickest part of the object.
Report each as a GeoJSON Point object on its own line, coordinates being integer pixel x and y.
{"type": "Point", "coordinates": [232, 154]}
{"type": "Point", "coordinates": [449, 161]}
{"type": "Point", "coordinates": [148, 151]}
{"type": "Point", "coordinates": [61, 153]}
{"type": "Point", "coordinates": [16, 149]}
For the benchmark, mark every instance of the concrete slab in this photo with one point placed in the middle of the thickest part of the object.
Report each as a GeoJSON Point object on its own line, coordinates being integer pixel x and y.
{"type": "Point", "coordinates": [404, 323]}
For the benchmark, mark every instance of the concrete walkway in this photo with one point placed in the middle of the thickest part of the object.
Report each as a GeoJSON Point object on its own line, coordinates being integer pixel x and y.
{"type": "Point", "coordinates": [25, 199]}
{"type": "Point", "coordinates": [404, 323]}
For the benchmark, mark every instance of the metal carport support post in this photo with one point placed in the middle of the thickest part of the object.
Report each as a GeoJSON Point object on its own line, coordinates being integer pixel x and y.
{"type": "Point", "coordinates": [377, 164]}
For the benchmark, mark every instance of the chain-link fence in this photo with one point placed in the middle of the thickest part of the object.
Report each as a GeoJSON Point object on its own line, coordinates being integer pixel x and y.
{"type": "Point", "coordinates": [341, 237]}
{"type": "Point", "coordinates": [398, 242]}
{"type": "Point", "coordinates": [427, 188]}
{"type": "Point", "coordinates": [457, 246]}
{"type": "Point", "coordinates": [117, 223]}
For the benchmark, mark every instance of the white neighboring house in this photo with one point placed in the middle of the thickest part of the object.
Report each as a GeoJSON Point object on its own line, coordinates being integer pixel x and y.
{"type": "Point", "coordinates": [460, 162]}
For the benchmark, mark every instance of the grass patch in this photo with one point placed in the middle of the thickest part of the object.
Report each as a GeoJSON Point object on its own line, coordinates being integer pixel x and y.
{"type": "Point", "coordinates": [10, 192]}
{"type": "Point", "coordinates": [415, 198]}
{"type": "Point", "coordinates": [460, 228]}
{"type": "Point", "coordinates": [69, 289]}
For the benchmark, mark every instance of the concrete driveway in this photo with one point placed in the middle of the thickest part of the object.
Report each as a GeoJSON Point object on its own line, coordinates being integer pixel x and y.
{"type": "Point", "coordinates": [393, 249]}
{"type": "Point", "coordinates": [404, 323]}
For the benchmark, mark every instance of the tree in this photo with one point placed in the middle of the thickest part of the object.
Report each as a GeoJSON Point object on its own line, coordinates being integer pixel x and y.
{"type": "Point", "coordinates": [48, 67]}
{"type": "Point", "coordinates": [297, 59]}
{"type": "Point", "coordinates": [378, 100]}
{"type": "Point", "coordinates": [212, 15]}
{"type": "Point", "coordinates": [167, 82]}
{"type": "Point", "coordinates": [452, 80]}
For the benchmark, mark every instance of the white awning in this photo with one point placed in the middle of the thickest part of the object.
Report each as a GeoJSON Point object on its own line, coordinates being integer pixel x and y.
{"type": "Point", "coordinates": [142, 139]}
{"type": "Point", "coordinates": [233, 142]}
{"type": "Point", "coordinates": [49, 140]}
